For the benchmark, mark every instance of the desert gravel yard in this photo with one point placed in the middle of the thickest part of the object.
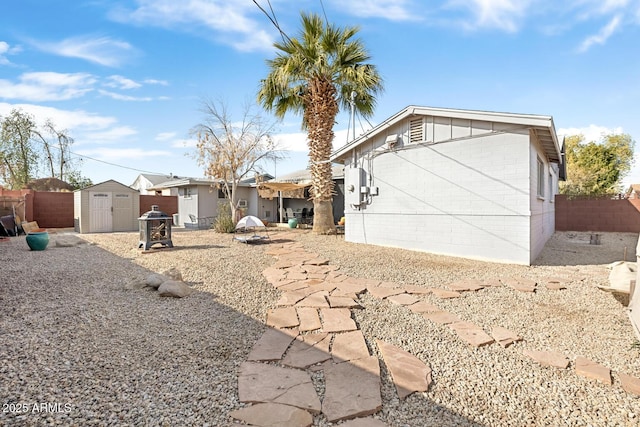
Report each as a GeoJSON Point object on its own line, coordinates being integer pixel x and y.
{"type": "Point", "coordinates": [79, 347]}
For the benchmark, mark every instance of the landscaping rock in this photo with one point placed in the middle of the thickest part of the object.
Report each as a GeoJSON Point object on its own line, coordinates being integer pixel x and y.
{"type": "Point", "coordinates": [173, 288]}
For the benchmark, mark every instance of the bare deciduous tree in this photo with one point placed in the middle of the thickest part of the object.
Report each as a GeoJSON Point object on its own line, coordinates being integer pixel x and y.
{"type": "Point", "coordinates": [230, 151]}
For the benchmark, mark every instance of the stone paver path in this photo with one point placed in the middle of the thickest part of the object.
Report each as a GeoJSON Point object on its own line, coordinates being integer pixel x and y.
{"type": "Point", "coordinates": [312, 329]}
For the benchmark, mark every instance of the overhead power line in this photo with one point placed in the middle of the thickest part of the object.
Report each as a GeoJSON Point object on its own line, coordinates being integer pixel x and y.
{"type": "Point", "coordinates": [273, 20]}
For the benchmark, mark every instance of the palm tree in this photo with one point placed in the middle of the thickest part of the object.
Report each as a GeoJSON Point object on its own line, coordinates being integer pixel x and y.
{"type": "Point", "coordinates": [315, 75]}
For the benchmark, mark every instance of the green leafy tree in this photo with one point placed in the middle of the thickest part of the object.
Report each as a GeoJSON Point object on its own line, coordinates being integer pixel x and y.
{"type": "Point", "coordinates": [19, 155]}
{"type": "Point", "coordinates": [26, 149]}
{"type": "Point", "coordinates": [597, 168]}
{"type": "Point", "coordinates": [315, 74]}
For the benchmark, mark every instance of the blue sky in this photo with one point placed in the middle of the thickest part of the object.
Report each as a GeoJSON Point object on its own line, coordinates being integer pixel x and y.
{"type": "Point", "coordinates": [127, 78]}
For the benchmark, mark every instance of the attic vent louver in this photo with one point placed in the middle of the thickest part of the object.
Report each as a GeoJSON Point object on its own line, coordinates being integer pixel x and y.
{"type": "Point", "coordinates": [416, 131]}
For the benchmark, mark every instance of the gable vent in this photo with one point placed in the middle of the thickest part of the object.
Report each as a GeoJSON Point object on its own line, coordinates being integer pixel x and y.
{"type": "Point", "coordinates": [416, 131]}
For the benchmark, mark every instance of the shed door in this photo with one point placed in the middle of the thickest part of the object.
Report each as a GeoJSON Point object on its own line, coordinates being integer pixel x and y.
{"type": "Point", "coordinates": [122, 212]}
{"type": "Point", "coordinates": [100, 212]}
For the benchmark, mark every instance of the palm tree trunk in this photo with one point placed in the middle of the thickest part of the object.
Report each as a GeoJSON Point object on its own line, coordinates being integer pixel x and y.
{"type": "Point", "coordinates": [320, 113]}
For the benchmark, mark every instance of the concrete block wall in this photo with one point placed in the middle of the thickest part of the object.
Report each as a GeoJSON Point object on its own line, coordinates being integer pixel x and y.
{"type": "Point", "coordinates": [597, 214]}
{"type": "Point", "coordinates": [53, 209]}
{"type": "Point", "coordinates": [167, 204]}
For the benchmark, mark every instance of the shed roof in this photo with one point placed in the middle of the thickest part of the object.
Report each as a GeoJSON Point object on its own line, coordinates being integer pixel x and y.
{"type": "Point", "coordinates": [93, 187]}
{"type": "Point", "coordinates": [541, 125]}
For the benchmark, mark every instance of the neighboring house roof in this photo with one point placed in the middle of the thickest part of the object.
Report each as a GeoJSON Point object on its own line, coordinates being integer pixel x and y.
{"type": "Point", "coordinates": [182, 182]}
{"type": "Point", "coordinates": [155, 179]}
{"type": "Point", "coordinates": [252, 180]}
{"type": "Point", "coordinates": [49, 184]}
{"type": "Point", "coordinates": [634, 188]}
{"type": "Point", "coordinates": [542, 126]}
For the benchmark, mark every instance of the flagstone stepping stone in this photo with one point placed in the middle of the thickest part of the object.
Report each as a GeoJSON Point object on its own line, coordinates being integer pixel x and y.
{"type": "Point", "coordinates": [308, 350]}
{"type": "Point", "coordinates": [386, 284]}
{"type": "Point", "coordinates": [590, 369]}
{"type": "Point", "coordinates": [337, 320]}
{"type": "Point", "coordinates": [548, 358]}
{"type": "Point", "coordinates": [417, 290]}
{"type": "Point", "coordinates": [504, 336]}
{"type": "Point", "coordinates": [443, 293]}
{"type": "Point", "coordinates": [492, 283]}
{"type": "Point", "coordinates": [317, 269]}
{"type": "Point", "coordinates": [290, 298]}
{"type": "Point", "coordinates": [441, 317]}
{"type": "Point", "coordinates": [316, 299]}
{"type": "Point", "coordinates": [520, 284]}
{"type": "Point", "coordinates": [272, 345]}
{"type": "Point", "coordinates": [264, 383]}
{"type": "Point", "coordinates": [283, 264]}
{"type": "Point", "coordinates": [381, 293]}
{"type": "Point", "coordinates": [356, 288]}
{"type": "Point", "coordinates": [309, 319]}
{"type": "Point", "coordinates": [336, 302]}
{"type": "Point", "coordinates": [630, 384]}
{"type": "Point", "coordinates": [273, 415]}
{"type": "Point", "coordinates": [316, 276]}
{"type": "Point", "coordinates": [336, 277]}
{"type": "Point", "coordinates": [316, 261]}
{"type": "Point", "coordinates": [349, 346]}
{"type": "Point", "coordinates": [352, 389]}
{"type": "Point", "coordinates": [366, 282]}
{"type": "Point", "coordinates": [555, 286]}
{"type": "Point", "coordinates": [363, 422]}
{"type": "Point", "coordinates": [403, 299]}
{"type": "Point", "coordinates": [273, 275]}
{"type": "Point", "coordinates": [423, 307]}
{"type": "Point", "coordinates": [409, 373]}
{"type": "Point", "coordinates": [282, 283]}
{"type": "Point", "coordinates": [471, 333]}
{"type": "Point", "coordinates": [283, 317]}
{"type": "Point", "coordinates": [340, 293]}
{"type": "Point", "coordinates": [295, 275]}
{"type": "Point", "coordinates": [466, 285]}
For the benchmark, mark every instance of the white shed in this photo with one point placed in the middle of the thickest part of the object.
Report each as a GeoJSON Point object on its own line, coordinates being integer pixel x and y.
{"type": "Point", "coordinates": [473, 184]}
{"type": "Point", "coordinates": [106, 207]}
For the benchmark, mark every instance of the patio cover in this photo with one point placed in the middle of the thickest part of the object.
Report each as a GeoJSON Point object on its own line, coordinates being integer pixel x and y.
{"type": "Point", "coordinates": [269, 190]}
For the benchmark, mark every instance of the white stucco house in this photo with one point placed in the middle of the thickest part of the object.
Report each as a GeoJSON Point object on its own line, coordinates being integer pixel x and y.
{"type": "Point", "coordinates": [199, 197]}
{"type": "Point", "coordinates": [145, 183]}
{"type": "Point", "coordinates": [472, 184]}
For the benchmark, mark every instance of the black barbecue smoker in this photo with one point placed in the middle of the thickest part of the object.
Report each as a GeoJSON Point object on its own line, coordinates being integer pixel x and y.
{"type": "Point", "coordinates": [155, 227]}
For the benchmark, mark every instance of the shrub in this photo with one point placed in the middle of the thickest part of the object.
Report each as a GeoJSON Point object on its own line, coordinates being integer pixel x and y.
{"type": "Point", "coordinates": [224, 221]}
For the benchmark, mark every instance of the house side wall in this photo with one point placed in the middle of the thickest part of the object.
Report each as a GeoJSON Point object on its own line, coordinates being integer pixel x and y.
{"type": "Point", "coordinates": [467, 196]}
{"type": "Point", "coordinates": [207, 197]}
{"type": "Point", "coordinates": [542, 206]}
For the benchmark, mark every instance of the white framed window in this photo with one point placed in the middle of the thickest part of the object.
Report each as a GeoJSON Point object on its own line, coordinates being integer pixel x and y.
{"type": "Point", "coordinates": [187, 192]}
{"type": "Point", "coordinates": [541, 179]}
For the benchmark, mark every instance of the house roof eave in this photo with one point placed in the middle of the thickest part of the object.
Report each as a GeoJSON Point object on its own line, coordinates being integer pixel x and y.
{"type": "Point", "coordinates": [552, 147]}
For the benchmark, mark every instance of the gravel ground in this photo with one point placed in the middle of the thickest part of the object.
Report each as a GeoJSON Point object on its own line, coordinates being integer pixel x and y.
{"type": "Point", "coordinates": [78, 348]}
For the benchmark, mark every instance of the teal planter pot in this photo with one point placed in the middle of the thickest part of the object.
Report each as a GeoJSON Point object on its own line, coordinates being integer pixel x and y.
{"type": "Point", "coordinates": [38, 240]}
{"type": "Point", "coordinates": [293, 223]}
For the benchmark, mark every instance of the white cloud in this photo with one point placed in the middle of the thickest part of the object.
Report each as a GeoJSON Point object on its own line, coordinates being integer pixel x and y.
{"type": "Point", "coordinates": [47, 86]}
{"type": "Point", "coordinates": [591, 132]}
{"type": "Point", "coordinates": [228, 19]}
{"type": "Point", "coordinates": [164, 136]}
{"type": "Point", "coordinates": [120, 97]}
{"type": "Point", "coordinates": [120, 154]}
{"type": "Point", "coordinates": [504, 15]}
{"type": "Point", "coordinates": [99, 50]}
{"type": "Point", "coordinates": [120, 82]}
{"type": "Point", "coordinates": [110, 135]}
{"type": "Point", "coordinates": [156, 82]}
{"type": "Point", "coordinates": [602, 36]}
{"type": "Point", "coordinates": [393, 10]}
